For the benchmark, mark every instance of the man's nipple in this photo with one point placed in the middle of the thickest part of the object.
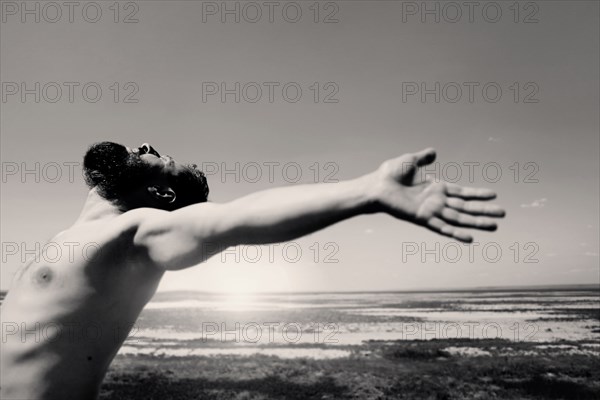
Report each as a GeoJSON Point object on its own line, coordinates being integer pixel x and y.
{"type": "Point", "coordinates": [43, 275]}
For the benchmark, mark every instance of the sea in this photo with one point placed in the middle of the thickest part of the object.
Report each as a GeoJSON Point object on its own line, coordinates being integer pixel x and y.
{"type": "Point", "coordinates": [333, 325]}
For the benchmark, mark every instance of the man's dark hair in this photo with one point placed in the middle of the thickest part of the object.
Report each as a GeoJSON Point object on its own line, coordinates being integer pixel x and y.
{"type": "Point", "coordinates": [115, 173]}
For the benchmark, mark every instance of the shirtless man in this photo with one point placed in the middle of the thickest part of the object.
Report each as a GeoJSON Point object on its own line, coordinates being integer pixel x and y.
{"type": "Point", "coordinates": [64, 321]}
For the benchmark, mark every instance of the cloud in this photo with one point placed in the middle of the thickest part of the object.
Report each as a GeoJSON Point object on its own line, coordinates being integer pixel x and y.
{"type": "Point", "coordinates": [536, 203]}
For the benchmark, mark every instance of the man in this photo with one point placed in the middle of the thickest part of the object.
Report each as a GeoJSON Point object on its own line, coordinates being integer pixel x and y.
{"type": "Point", "coordinates": [63, 322]}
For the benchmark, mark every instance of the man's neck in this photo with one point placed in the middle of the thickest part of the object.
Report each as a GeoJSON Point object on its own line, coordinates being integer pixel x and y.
{"type": "Point", "coordinates": [96, 208]}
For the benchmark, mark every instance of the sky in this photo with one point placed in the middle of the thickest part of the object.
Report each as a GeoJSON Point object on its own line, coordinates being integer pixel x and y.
{"type": "Point", "coordinates": [362, 69]}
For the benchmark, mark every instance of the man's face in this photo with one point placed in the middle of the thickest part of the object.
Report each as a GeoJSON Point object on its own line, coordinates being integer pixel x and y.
{"type": "Point", "coordinates": [162, 164]}
{"type": "Point", "coordinates": [137, 177]}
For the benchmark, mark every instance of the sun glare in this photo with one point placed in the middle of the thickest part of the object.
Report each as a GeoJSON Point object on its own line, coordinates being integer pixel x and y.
{"type": "Point", "coordinates": [239, 301]}
{"type": "Point", "coordinates": [240, 293]}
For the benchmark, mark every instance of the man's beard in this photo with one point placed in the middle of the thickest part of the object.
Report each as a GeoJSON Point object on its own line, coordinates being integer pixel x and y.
{"type": "Point", "coordinates": [113, 171]}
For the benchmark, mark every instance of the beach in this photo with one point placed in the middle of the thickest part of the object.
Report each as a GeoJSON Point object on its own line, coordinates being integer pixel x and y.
{"type": "Point", "coordinates": [507, 344]}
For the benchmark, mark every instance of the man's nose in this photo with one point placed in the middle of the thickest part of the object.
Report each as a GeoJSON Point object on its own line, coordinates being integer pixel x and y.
{"type": "Point", "coordinates": [147, 149]}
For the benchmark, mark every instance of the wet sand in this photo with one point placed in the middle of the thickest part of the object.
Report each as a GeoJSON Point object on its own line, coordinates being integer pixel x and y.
{"type": "Point", "coordinates": [436, 369]}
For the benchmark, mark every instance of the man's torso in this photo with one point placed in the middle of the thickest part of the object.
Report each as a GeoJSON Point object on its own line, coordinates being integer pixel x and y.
{"type": "Point", "coordinates": [69, 310]}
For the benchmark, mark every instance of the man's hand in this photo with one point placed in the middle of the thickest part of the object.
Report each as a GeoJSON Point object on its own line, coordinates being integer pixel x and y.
{"type": "Point", "coordinates": [441, 207]}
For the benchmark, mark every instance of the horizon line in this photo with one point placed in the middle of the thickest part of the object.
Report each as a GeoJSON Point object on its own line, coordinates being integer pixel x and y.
{"type": "Point", "coordinates": [505, 288]}
{"type": "Point", "coordinates": [567, 287]}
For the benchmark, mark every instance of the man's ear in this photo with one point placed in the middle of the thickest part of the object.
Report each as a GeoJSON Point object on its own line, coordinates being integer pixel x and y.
{"type": "Point", "coordinates": [163, 194]}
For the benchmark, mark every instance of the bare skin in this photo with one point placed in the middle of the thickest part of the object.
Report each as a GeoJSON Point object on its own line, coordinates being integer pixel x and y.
{"type": "Point", "coordinates": [64, 321]}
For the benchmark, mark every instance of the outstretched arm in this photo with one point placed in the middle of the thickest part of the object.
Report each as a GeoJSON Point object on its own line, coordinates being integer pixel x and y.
{"type": "Point", "coordinates": [188, 236]}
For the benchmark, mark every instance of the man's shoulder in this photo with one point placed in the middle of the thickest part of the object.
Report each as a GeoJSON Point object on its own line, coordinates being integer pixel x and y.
{"type": "Point", "coordinates": [103, 231]}
{"type": "Point", "coordinates": [134, 218]}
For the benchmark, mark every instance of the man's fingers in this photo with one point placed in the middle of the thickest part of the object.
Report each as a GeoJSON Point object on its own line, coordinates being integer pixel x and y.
{"type": "Point", "coordinates": [475, 207]}
{"type": "Point", "coordinates": [457, 218]}
{"type": "Point", "coordinates": [440, 226]}
{"type": "Point", "coordinates": [425, 157]}
{"type": "Point", "coordinates": [468, 193]}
